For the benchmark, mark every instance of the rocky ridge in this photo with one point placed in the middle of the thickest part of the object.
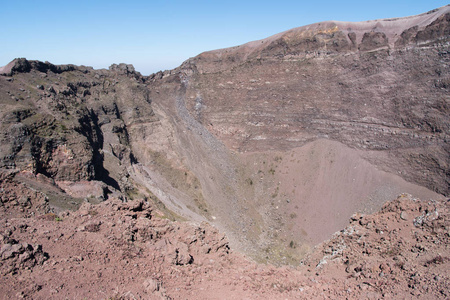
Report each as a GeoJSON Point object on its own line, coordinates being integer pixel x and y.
{"type": "Point", "coordinates": [265, 141]}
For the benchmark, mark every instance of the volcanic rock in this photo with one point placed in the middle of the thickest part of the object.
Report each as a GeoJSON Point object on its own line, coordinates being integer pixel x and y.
{"type": "Point", "coordinates": [276, 143]}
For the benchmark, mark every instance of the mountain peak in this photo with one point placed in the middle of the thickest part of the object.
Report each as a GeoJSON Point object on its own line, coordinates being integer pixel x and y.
{"type": "Point", "coordinates": [330, 37]}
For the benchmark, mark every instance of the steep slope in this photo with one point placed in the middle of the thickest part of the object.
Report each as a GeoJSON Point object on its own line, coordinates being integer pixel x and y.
{"type": "Point", "coordinates": [378, 88]}
{"type": "Point", "coordinates": [390, 97]}
{"type": "Point", "coordinates": [64, 124]}
{"type": "Point", "coordinates": [276, 142]}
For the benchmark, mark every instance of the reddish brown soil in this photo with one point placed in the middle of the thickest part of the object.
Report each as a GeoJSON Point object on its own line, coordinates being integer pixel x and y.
{"type": "Point", "coordinates": [118, 250]}
{"type": "Point", "coordinates": [276, 143]}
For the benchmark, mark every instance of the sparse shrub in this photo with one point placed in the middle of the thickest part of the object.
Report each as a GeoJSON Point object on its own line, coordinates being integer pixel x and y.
{"type": "Point", "coordinates": [93, 227]}
{"type": "Point", "coordinates": [436, 260]}
{"type": "Point", "coordinates": [50, 217]}
{"type": "Point", "coordinates": [391, 252]}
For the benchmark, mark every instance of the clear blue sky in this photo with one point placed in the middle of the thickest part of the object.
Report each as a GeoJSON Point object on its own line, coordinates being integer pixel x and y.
{"type": "Point", "coordinates": [161, 34]}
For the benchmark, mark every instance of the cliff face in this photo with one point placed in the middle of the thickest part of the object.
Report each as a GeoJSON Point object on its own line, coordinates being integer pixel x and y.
{"type": "Point", "coordinates": [69, 124]}
{"type": "Point", "coordinates": [277, 142]}
{"type": "Point", "coordinates": [317, 122]}
{"type": "Point", "coordinates": [378, 85]}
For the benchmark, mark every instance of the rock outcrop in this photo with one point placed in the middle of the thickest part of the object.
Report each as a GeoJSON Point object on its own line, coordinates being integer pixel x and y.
{"type": "Point", "coordinates": [118, 185]}
{"type": "Point", "coordinates": [277, 142]}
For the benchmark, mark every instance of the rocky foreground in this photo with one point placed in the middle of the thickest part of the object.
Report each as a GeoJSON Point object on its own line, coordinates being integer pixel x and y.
{"type": "Point", "coordinates": [275, 142]}
{"type": "Point", "coordinates": [117, 250]}
{"type": "Point", "coordinates": [115, 185]}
